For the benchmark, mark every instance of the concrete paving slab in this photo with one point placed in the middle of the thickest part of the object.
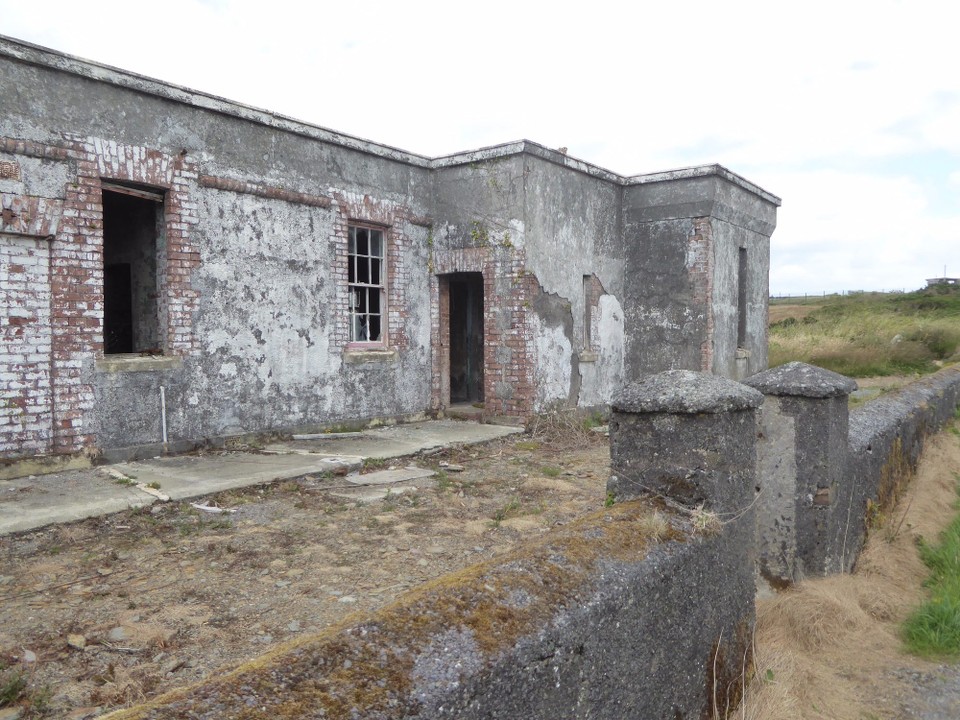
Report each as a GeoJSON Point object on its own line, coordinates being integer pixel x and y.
{"type": "Point", "coordinates": [191, 476]}
{"type": "Point", "coordinates": [390, 477]}
{"type": "Point", "coordinates": [35, 501]}
{"type": "Point", "coordinates": [374, 494]}
{"type": "Point", "coordinates": [398, 440]}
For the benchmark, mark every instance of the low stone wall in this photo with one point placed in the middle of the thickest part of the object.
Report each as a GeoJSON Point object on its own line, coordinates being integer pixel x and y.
{"type": "Point", "coordinates": [887, 436]}
{"type": "Point", "coordinates": [643, 609]}
{"type": "Point", "coordinates": [618, 615]}
{"type": "Point", "coordinates": [826, 474]}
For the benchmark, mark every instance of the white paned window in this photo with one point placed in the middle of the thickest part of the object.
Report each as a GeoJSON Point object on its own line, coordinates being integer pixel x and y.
{"type": "Point", "coordinates": [366, 273]}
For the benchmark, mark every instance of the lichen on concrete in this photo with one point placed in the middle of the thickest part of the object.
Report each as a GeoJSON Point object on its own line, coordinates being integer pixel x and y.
{"type": "Point", "coordinates": [413, 653]}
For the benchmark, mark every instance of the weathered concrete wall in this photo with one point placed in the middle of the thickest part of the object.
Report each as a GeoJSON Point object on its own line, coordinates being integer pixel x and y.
{"type": "Point", "coordinates": [682, 233]}
{"type": "Point", "coordinates": [825, 478]}
{"type": "Point", "coordinates": [599, 620]}
{"type": "Point", "coordinates": [731, 358]}
{"type": "Point", "coordinates": [252, 301]}
{"type": "Point", "coordinates": [803, 471]}
{"type": "Point", "coordinates": [638, 610]}
{"type": "Point", "coordinates": [478, 227]}
{"type": "Point", "coordinates": [580, 242]}
{"type": "Point", "coordinates": [887, 436]}
{"type": "Point", "coordinates": [264, 343]}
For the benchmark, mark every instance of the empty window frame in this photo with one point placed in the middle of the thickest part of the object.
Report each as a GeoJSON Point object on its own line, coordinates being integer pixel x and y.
{"type": "Point", "coordinates": [132, 263]}
{"type": "Point", "coordinates": [742, 299]}
{"type": "Point", "coordinates": [366, 272]}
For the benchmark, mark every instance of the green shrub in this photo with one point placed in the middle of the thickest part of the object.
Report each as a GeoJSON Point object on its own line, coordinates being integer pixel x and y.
{"type": "Point", "coordinates": [934, 628]}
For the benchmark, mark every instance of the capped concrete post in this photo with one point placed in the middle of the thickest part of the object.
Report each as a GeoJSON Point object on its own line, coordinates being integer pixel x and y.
{"type": "Point", "coordinates": [688, 437]}
{"type": "Point", "coordinates": [802, 462]}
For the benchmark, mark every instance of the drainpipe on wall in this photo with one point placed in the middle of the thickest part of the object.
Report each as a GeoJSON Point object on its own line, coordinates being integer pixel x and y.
{"type": "Point", "coordinates": [163, 415]}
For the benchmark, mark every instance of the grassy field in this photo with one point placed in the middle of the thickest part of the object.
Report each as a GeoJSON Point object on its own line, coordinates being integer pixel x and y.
{"type": "Point", "coordinates": [869, 334]}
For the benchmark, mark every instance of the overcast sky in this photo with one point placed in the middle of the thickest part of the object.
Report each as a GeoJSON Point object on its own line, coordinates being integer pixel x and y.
{"type": "Point", "coordinates": [848, 110]}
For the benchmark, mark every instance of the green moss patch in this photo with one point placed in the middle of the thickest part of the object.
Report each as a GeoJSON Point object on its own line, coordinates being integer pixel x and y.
{"type": "Point", "coordinates": [366, 664]}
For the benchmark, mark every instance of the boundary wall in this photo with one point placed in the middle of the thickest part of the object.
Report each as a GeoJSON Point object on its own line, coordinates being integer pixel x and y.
{"type": "Point", "coordinates": [643, 609]}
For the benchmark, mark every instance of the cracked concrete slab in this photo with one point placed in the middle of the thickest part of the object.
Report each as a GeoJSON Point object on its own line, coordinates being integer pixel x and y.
{"type": "Point", "coordinates": [34, 501]}
{"type": "Point", "coordinates": [399, 440]}
{"type": "Point", "coordinates": [391, 477]}
{"type": "Point", "coordinates": [191, 476]}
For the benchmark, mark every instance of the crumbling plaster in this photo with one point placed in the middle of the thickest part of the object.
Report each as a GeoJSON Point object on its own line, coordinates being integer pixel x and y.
{"type": "Point", "coordinates": [255, 330]}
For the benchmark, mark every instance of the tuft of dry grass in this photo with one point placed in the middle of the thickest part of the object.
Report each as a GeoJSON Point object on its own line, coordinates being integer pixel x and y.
{"type": "Point", "coordinates": [824, 646]}
{"type": "Point", "coordinates": [565, 427]}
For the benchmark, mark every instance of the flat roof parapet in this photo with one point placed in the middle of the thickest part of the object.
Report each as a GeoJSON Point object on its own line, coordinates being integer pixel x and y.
{"type": "Point", "coordinates": [29, 53]}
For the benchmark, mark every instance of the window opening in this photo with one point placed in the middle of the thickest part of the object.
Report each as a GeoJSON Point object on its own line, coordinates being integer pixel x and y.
{"type": "Point", "coordinates": [132, 242]}
{"type": "Point", "coordinates": [365, 272]}
{"type": "Point", "coordinates": [742, 299]}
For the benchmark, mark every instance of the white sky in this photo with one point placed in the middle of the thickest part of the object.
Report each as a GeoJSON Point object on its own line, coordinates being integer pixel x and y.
{"type": "Point", "coordinates": [849, 110]}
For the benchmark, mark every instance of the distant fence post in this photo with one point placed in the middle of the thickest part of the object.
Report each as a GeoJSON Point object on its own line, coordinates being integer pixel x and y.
{"type": "Point", "coordinates": [689, 439]}
{"type": "Point", "coordinates": [802, 467]}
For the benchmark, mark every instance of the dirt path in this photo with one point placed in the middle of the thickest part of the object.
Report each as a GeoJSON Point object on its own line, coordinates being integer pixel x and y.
{"type": "Point", "coordinates": [110, 611]}
{"type": "Point", "coordinates": [830, 648]}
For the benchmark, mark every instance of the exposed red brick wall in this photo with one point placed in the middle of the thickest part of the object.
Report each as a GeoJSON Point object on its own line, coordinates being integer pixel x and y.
{"type": "Point", "coordinates": [357, 209]}
{"type": "Point", "coordinates": [593, 291]}
{"type": "Point", "coordinates": [76, 266]}
{"type": "Point", "coordinates": [507, 293]}
{"type": "Point", "coordinates": [25, 345]}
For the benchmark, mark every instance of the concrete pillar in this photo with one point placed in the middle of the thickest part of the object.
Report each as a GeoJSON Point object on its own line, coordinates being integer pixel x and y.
{"type": "Point", "coordinates": [802, 462]}
{"type": "Point", "coordinates": [688, 437]}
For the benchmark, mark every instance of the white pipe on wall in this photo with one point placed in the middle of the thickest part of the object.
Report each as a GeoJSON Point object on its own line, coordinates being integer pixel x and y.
{"type": "Point", "coordinates": [163, 413]}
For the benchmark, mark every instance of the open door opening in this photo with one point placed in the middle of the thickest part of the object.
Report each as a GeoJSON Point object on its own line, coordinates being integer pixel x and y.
{"type": "Point", "coordinates": [466, 337]}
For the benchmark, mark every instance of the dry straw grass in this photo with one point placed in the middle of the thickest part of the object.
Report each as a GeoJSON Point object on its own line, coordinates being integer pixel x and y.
{"type": "Point", "coordinates": [566, 427]}
{"type": "Point", "coordinates": [823, 648]}
{"type": "Point", "coordinates": [869, 334]}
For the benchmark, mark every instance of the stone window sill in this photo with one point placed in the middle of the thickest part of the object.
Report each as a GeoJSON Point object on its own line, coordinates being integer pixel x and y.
{"type": "Point", "coordinates": [136, 363]}
{"type": "Point", "coordinates": [358, 356]}
{"type": "Point", "coordinates": [588, 356]}
{"type": "Point", "coordinates": [742, 353]}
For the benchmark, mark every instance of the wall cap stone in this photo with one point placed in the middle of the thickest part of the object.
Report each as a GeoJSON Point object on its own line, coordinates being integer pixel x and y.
{"type": "Point", "coordinates": [687, 392]}
{"type": "Point", "coordinates": [802, 380]}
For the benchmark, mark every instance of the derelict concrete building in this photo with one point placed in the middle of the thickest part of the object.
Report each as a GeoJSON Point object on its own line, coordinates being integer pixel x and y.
{"type": "Point", "coordinates": [261, 273]}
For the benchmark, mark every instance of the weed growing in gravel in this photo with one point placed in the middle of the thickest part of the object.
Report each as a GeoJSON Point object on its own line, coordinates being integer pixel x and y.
{"type": "Point", "coordinates": [443, 481]}
{"type": "Point", "coordinates": [934, 628]}
{"type": "Point", "coordinates": [506, 511]}
{"type": "Point", "coordinates": [12, 686]}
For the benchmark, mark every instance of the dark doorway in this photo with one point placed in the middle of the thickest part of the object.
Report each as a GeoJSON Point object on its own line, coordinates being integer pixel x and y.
{"type": "Point", "coordinates": [131, 248]}
{"type": "Point", "coordinates": [466, 337]}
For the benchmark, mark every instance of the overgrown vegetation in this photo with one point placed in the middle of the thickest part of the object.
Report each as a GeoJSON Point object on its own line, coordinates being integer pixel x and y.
{"type": "Point", "coordinates": [869, 334]}
{"type": "Point", "coordinates": [16, 689]}
{"type": "Point", "coordinates": [565, 427]}
{"type": "Point", "coordinates": [934, 628]}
